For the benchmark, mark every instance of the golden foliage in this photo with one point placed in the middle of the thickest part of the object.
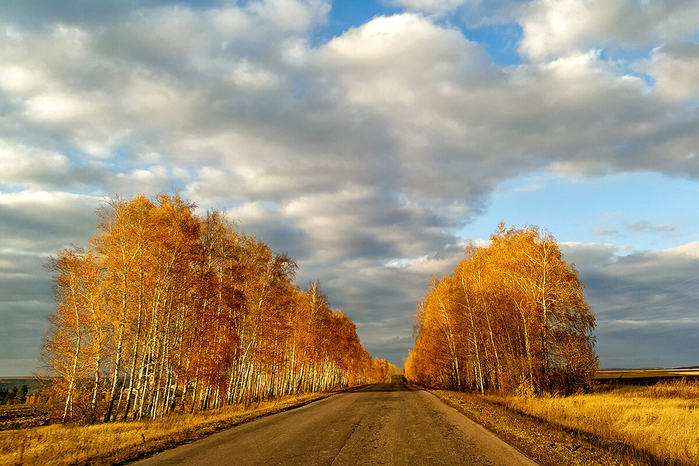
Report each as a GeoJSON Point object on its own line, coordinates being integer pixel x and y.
{"type": "Point", "coordinates": [169, 312]}
{"type": "Point", "coordinates": [512, 317]}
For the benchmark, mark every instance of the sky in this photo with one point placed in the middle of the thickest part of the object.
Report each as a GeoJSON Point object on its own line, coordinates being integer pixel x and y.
{"type": "Point", "coordinates": [372, 141]}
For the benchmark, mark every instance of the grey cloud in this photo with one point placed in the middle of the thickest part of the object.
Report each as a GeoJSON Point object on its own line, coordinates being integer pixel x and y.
{"type": "Point", "coordinates": [384, 342]}
{"type": "Point", "coordinates": [33, 226]}
{"type": "Point", "coordinates": [36, 12]}
{"type": "Point", "coordinates": [42, 222]}
{"type": "Point", "coordinates": [675, 68]}
{"type": "Point", "coordinates": [361, 157]}
{"type": "Point", "coordinates": [650, 347]}
{"type": "Point", "coordinates": [643, 225]}
{"type": "Point", "coordinates": [602, 230]}
{"type": "Point", "coordinates": [149, 179]}
{"type": "Point", "coordinates": [280, 233]}
{"type": "Point", "coordinates": [25, 300]}
{"type": "Point", "coordinates": [44, 170]}
{"type": "Point", "coordinates": [110, 87]}
{"type": "Point", "coordinates": [382, 300]}
{"type": "Point", "coordinates": [24, 278]}
{"type": "Point", "coordinates": [360, 222]}
{"type": "Point", "coordinates": [645, 303]}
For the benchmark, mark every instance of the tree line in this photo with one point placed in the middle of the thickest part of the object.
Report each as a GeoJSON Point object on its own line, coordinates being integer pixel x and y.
{"type": "Point", "coordinates": [168, 311]}
{"type": "Point", "coordinates": [14, 395]}
{"type": "Point", "coordinates": [512, 317]}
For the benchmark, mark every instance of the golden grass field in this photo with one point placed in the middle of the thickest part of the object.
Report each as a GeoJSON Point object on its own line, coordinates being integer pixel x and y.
{"type": "Point", "coordinates": [657, 375]}
{"type": "Point", "coordinates": [662, 420]}
{"type": "Point", "coordinates": [118, 442]}
{"type": "Point", "coordinates": [615, 425]}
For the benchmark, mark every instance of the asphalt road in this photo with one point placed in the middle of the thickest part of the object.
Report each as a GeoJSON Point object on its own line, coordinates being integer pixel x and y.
{"type": "Point", "coordinates": [383, 424]}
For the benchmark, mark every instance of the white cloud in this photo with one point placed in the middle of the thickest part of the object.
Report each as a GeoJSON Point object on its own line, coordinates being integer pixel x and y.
{"type": "Point", "coordinates": [30, 166]}
{"type": "Point", "coordinates": [444, 103]}
{"type": "Point", "coordinates": [159, 101]}
{"type": "Point", "coordinates": [402, 52]}
{"type": "Point", "coordinates": [252, 213]}
{"type": "Point", "coordinates": [152, 179]}
{"type": "Point", "coordinates": [361, 156]}
{"type": "Point", "coordinates": [250, 78]}
{"type": "Point", "coordinates": [555, 27]}
{"type": "Point", "coordinates": [690, 250]}
{"type": "Point", "coordinates": [58, 108]}
{"type": "Point", "coordinates": [291, 15]}
{"type": "Point", "coordinates": [558, 27]}
{"type": "Point", "coordinates": [20, 80]}
{"type": "Point", "coordinates": [98, 87]}
{"type": "Point", "coordinates": [675, 68]}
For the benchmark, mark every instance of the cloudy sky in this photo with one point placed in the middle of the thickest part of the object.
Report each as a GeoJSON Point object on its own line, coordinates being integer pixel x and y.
{"type": "Point", "coordinates": [371, 140]}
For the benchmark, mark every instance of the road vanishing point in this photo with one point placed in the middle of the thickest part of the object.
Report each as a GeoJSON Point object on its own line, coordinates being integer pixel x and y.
{"type": "Point", "coordinates": [391, 424]}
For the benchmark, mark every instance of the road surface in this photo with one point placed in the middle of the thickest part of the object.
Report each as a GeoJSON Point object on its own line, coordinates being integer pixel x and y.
{"type": "Point", "coordinates": [388, 424]}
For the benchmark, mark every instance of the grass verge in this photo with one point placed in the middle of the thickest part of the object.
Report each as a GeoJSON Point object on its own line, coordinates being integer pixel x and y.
{"type": "Point", "coordinates": [121, 442]}
{"type": "Point", "coordinates": [598, 429]}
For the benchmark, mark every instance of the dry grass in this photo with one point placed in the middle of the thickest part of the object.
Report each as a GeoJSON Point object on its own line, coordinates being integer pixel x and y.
{"type": "Point", "coordinates": [639, 426]}
{"type": "Point", "coordinates": [657, 374]}
{"type": "Point", "coordinates": [119, 442]}
{"type": "Point", "coordinates": [662, 420]}
{"type": "Point", "coordinates": [546, 444]}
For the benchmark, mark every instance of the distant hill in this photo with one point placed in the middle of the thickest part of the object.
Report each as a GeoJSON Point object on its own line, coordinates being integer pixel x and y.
{"type": "Point", "coordinates": [618, 369]}
{"type": "Point", "coordinates": [9, 382]}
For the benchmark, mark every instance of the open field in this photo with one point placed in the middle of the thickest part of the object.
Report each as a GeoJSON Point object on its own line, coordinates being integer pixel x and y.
{"type": "Point", "coordinates": [119, 442]}
{"type": "Point", "coordinates": [655, 425]}
{"type": "Point", "coordinates": [23, 416]}
{"type": "Point", "coordinates": [645, 376]}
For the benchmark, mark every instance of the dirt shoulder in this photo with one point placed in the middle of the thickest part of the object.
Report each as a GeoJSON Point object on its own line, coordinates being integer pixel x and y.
{"type": "Point", "coordinates": [545, 443]}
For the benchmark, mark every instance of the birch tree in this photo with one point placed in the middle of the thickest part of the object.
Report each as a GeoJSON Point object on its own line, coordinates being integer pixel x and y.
{"type": "Point", "coordinates": [169, 311]}
{"type": "Point", "coordinates": [513, 316]}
